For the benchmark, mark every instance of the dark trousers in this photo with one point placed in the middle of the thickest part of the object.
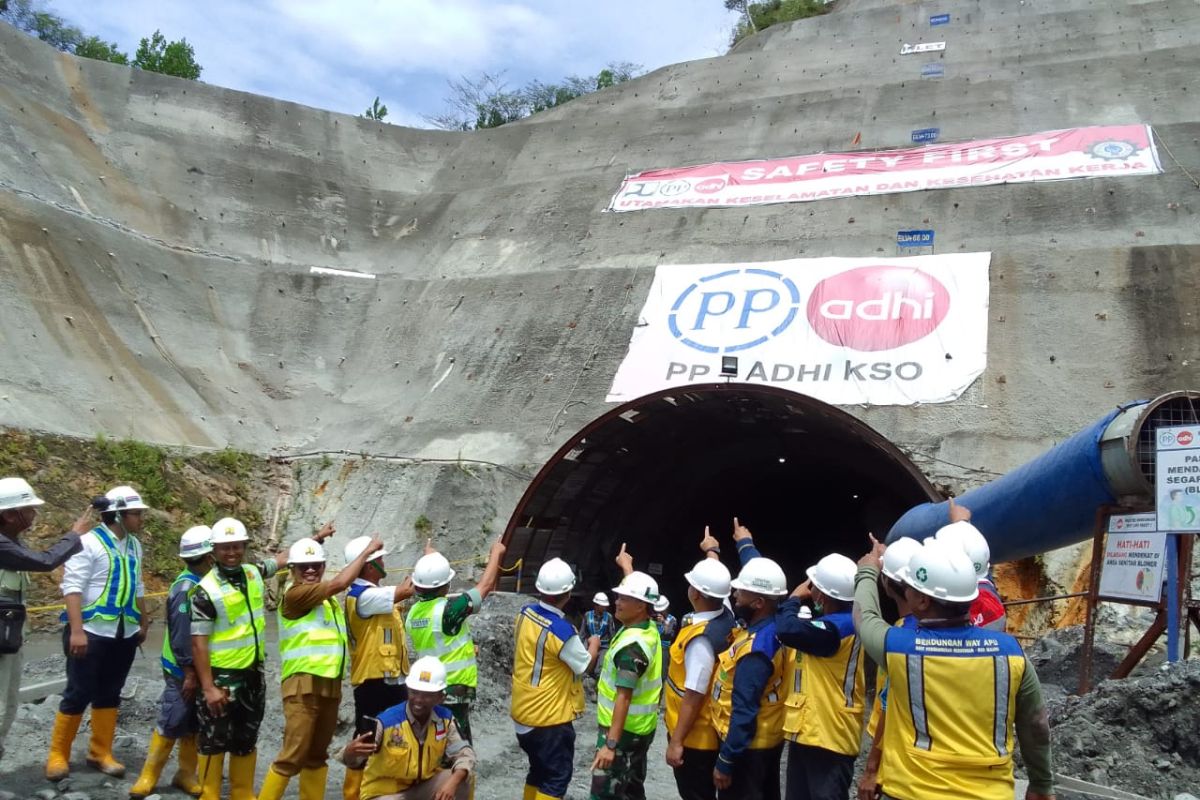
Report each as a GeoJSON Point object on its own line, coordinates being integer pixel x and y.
{"type": "Point", "coordinates": [551, 752]}
{"type": "Point", "coordinates": [373, 697]}
{"type": "Point", "coordinates": [814, 773]}
{"type": "Point", "coordinates": [694, 779]}
{"type": "Point", "coordinates": [462, 718]}
{"type": "Point", "coordinates": [97, 679]}
{"type": "Point", "coordinates": [755, 776]}
{"type": "Point", "coordinates": [236, 731]}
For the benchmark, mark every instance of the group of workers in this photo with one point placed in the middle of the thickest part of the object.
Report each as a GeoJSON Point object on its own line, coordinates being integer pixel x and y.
{"type": "Point", "coordinates": [752, 668]}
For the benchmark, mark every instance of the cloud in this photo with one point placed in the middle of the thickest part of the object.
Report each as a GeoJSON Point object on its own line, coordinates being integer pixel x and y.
{"type": "Point", "coordinates": [341, 55]}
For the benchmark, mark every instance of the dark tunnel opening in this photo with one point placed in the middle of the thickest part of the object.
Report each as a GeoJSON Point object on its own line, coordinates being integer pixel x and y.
{"type": "Point", "coordinates": [807, 478]}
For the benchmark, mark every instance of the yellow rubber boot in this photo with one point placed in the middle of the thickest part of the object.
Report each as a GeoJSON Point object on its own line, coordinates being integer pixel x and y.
{"type": "Point", "coordinates": [58, 762]}
{"type": "Point", "coordinates": [312, 783]}
{"type": "Point", "coordinates": [530, 792]}
{"type": "Point", "coordinates": [100, 755]}
{"type": "Point", "coordinates": [241, 776]}
{"type": "Point", "coordinates": [273, 785]}
{"type": "Point", "coordinates": [352, 785]}
{"type": "Point", "coordinates": [209, 770]}
{"type": "Point", "coordinates": [185, 777]}
{"type": "Point", "coordinates": [156, 758]}
{"type": "Point", "coordinates": [540, 796]}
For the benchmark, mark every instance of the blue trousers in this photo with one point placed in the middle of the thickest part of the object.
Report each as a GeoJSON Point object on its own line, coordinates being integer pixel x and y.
{"type": "Point", "coordinates": [551, 754]}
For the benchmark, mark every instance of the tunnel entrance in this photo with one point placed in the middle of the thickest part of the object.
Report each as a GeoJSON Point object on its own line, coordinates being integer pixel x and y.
{"type": "Point", "coordinates": [804, 476]}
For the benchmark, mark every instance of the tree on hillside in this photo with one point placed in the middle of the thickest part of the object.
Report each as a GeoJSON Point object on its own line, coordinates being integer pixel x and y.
{"type": "Point", "coordinates": [487, 102]}
{"type": "Point", "coordinates": [177, 58]}
{"type": "Point", "coordinates": [97, 48]}
{"type": "Point", "coordinates": [377, 111]}
{"type": "Point", "coordinates": [756, 16]}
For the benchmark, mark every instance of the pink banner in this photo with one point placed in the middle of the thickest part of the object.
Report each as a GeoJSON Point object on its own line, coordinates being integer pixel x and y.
{"type": "Point", "coordinates": [1052, 156]}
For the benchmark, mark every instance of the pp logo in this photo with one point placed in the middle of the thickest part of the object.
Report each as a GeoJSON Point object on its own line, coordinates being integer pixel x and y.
{"type": "Point", "coordinates": [673, 188]}
{"type": "Point", "coordinates": [1113, 150]}
{"type": "Point", "coordinates": [877, 308]}
{"type": "Point", "coordinates": [1166, 438]}
{"type": "Point", "coordinates": [734, 310]}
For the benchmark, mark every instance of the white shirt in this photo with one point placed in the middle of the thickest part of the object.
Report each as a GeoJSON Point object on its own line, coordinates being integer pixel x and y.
{"type": "Point", "coordinates": [86, 574]}
{"type": "Point", "coordinates": [698, 657]}
{"type": "Point", "coordinates": [572, 653]}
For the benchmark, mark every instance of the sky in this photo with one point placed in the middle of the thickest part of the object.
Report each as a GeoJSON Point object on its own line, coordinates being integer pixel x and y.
{"type": "Point", "coordinates": [341, 54]}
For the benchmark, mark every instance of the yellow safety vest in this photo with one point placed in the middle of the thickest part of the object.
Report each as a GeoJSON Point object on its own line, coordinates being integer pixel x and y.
{"type": "Point", "coordinates": [948, 730]}
{"type": "Point", "coordinates": [314, 644]}
{"type": "Point", "coordinates": [643, 706]}
{"type": "Point", "coordinates": [825, 695]}
{"type": "Point", "coordinates": [457, 652]}
{"type": "Point", "coordinates": [545, 691]}
{"type": "Point", "coordinates": [702, 736]}
{"type": "Point", "coordinates": [402, 760]}
{"type": "Point", "coordinates": [768, 731]}
{"type": "Point", "coordinates": [378, 646]}
{"type": "Point", "coordinates": [238, 640]}
{"type": "Point", "coordinates": [908, 621]}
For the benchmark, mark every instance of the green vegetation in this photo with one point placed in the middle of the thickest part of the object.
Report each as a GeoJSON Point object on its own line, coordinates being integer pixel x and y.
{"type": "Point", "coordinates": [182, 488]}
{"type": "Point", "coordinates": [756, 16]}
{"type": "Point", "coordinates": [154, 54]}
{"type": "Point", "coordinates": [377, 111]}
{"type": "Point", "coordinates": [422, 524]}
{"type": "Point", "coordinates": [487, 102]}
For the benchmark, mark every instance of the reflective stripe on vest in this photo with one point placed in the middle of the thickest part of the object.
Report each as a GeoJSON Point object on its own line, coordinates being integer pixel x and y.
{"type": "Point", "coordinates": [169, 664]}
{"type": "Point", "coordinates": [643, 706]}
{"type": "Point", "coordinates": [545, 691]}
{"type": "Point", "coordinates": [769, 724]}
{"type": "Point", "coordinates": [118, 598]}
{"type": "Point", "coordinates": [457, 653]}
{"type": "Point", "coordinates": [402, 760]}
{"type": "Point", "coordinates": [377, 643]}
{"type": "Point", "coordinates": [315, 644]}
{"type": "Point", "coordinates": [702, 736]}
{"type": "Point", "coordinates": [825, 708]}
{"type": "Point", "coordinates": [238, 640]}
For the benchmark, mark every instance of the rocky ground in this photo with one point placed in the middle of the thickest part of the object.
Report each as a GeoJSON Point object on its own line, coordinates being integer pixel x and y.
{"type": "Point", "coordinates": [1138, 735]}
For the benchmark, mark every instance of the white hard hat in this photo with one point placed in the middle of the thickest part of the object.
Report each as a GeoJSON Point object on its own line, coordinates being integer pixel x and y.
{"type": "Point", "coordinates": [973, 543]}
{"type": "Point", "coordinates": [355, 547]}
{"type": "Point", "coordinates": [125, 498]}
{"type": "Point", "coordinates": [639, 586]}
{"type": "Point", "coordinates": [306, 551]}
{"type": "Point", "coordinates": [229, 530]}
{"type": "Point", "coordinates": [555, 577]}
{"type": "Point", "coordinates": [834, 576]}
{"type": "Point", "coordinates": [942, 571]}
{"type": "Point", "coordinates": [600, 599]}
{"type": "Point", "coordinates": [895, 558]}
{"type": "Point", "coordinates": [195, 542]}
{"type": "Point", "coordinates": [761, 576]}
{"type": "Point", "coordinates": [710, 577]}
{"type": "Point", "coordinates": [432, 571]}
{"type": "Point", "coordinates": [427, 674]}
{"type": "Point", "coordinates": [17, 493]}
{"type": "Point", "coordinates": [662, 603]}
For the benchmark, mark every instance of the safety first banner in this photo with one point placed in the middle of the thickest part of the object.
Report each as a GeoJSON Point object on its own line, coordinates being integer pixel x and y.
{"type": "Point", "coordinates": [848, 331]}
{"type": "Point", "coordinates": [1052, 156]}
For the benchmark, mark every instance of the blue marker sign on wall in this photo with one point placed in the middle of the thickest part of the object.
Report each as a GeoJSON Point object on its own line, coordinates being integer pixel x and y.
{"type": "Point", "coordinates": [914, 238]}
{"type": "Point", "coordinates": [939, 19]}
{"type": "Point", "coordinates": [926, 135]}
{"type": "Point", "coordinates": [933, 69]}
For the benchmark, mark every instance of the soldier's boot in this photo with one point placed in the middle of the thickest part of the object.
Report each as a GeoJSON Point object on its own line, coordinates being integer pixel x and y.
{"type": "Point", "coordinates": [241, 776]}
{"type": "Point", "coordinates": [58, 762]}
{"type": "Point", "coordinates": [185, 777]}
{"type": "Point", "coordinates": [100, 754]}
{"type": "Point", "coordinates": [156, 758]}
{"type": "Point", "coordinates": [209, 770]}
{"type": "Point", "coordinates": [273, 785]}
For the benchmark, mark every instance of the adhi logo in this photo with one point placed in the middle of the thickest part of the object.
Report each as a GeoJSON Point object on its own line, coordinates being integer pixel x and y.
{"type": "Point", "coordinates": [1184, 438]}
{"type": "Point", "coordinates": [877, 308]}
{"type": "Point", "coordinates": [710, 185]}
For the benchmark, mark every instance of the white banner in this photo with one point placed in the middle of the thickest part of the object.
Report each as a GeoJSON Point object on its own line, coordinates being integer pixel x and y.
{"type": "Point", "coordinates": [1177, 478]}
{"type": "Point", "coordinates": [847, 331]}
{"type": "Point", "coordinates": [1134, 554]}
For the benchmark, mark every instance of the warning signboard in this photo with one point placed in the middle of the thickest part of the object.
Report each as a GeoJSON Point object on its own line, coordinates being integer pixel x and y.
{"type": "Point", "coordinates": [1177, 479]}
{"type": "Point", "coordinates": [1134, 553]}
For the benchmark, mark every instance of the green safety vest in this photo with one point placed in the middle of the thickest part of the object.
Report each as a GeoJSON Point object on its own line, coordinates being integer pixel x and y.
{"type": "Point", "coordinates": [643, 706]}
{"type": "Point", "coordinates": [457, 653]}
{"type": "Point", "coordinates": [118, 598]}
{"type": "Point", "coordinates": [169, 664]}
{"type": "Point", "coordinates": [238, 640]}
{"type": "Point", "coordinates": [314, 644]}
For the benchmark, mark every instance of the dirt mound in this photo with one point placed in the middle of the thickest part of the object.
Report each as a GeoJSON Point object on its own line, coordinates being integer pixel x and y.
{"type": "Point", "coordinates": [1137, 734]}
{"type": "Point", "coordinates": [1056, 656]}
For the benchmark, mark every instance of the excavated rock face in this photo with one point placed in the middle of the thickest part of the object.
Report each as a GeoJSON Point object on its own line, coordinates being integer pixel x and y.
{"type": "Point", "coordinates": [1138, 734]}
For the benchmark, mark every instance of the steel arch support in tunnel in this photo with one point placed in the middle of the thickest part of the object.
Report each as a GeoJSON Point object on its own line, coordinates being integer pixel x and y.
{"type": "Point", "coordinates": [806, 477]}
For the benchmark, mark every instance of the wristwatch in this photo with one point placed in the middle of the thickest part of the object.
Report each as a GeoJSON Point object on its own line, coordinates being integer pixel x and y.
{"type": "Point", "coordinates": [611, 743]}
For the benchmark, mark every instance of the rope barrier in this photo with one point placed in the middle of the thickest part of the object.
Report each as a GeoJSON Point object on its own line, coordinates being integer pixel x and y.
{"type": "Point", "coordinates": [61, 607]}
